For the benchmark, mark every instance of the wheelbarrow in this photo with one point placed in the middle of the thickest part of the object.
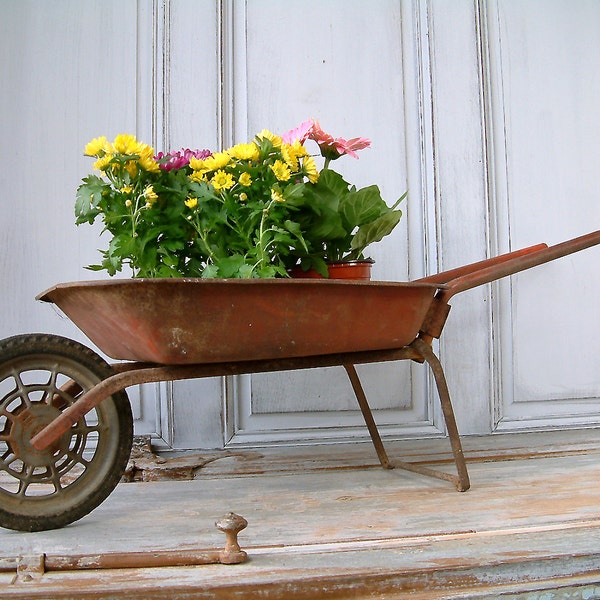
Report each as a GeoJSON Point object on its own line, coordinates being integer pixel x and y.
{"type": "Point", "coordinates": [65, 419]}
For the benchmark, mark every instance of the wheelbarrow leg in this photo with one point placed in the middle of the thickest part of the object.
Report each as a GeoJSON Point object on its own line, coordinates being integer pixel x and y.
{"type": "Point", "coordinates": [368, 416]}
{"type": "Point", "coordinates": [462, 482]}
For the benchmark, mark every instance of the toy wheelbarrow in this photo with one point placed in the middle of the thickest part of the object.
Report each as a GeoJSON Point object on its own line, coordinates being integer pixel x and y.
{"type": "Point", "coordinates": [65, 419]}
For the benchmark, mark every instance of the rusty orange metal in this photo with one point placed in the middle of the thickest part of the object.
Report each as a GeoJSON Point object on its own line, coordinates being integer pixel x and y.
{"type": "Point", "coordinates": [188, 321]}
{"type": "Point", "coordinates": [191, 321]}
{"type": "Point", "coordinates": [203, 328]}
{"type": "Point", "coordinates": [32, 566]}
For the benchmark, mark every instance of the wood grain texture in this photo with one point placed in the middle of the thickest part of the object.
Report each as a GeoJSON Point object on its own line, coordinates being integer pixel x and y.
{"type": "Point", "coordinates": [529, 524]}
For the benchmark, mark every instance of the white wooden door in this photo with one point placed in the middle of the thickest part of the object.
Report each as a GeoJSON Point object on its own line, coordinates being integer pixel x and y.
{"type": "Point", "coordinates": [544, 60]}
{"type": "Point", "coordinates": [500, 95]}
{"type": "Point", "coordinates": [483, 110]}
{"type": "Point", "coordinates": [71, 71]}
{"type": "Point", "coordinates": [349, 70]}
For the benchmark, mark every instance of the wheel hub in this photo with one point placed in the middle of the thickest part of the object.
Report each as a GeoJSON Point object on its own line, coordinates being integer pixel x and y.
{"type": "Point", "coordinates": [25, 425]}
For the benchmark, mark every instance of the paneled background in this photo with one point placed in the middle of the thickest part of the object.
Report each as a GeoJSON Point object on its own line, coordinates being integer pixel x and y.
{"type": "Point", "coordinates": [485, 110]}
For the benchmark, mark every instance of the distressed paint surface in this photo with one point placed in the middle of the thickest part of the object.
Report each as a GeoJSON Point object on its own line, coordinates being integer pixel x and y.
{"type": "Point", "coordinates": [333, 528]}
{"type": "Point", "coordinates": [459, 113]}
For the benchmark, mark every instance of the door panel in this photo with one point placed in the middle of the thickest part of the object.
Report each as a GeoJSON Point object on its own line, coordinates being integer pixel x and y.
{"type": "Point", "coordinates": [485, 111]}
{"type": "Point", "coordinates": [346, 70]}
{"type": "Point", "coordinates": [545, 85]}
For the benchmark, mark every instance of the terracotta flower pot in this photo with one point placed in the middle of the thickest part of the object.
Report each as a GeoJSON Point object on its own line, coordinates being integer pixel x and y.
{"type": "Point", "coordinates": [351, 269]}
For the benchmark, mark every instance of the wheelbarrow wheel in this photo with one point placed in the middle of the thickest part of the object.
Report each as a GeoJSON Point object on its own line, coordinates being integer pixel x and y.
{"type": "Point", "coordinates": [41, 376]}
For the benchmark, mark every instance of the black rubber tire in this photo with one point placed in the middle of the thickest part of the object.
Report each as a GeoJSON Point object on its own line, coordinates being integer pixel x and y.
{"type": "Point", "coordinates": [40, 376]}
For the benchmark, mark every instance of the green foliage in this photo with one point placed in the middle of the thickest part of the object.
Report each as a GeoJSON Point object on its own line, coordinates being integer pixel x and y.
{"type": "Point", "coordinates": [255, 210]}
{"type": "Point", "coordinates": [341, 221]}
{"type": "Point", "coordinates": [89, 196]}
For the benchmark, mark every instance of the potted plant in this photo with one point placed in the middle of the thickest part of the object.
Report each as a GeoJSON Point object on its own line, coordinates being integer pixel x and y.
{"type": "Point", "coordinates": [252, 210]}
{"type": "Point", "coordinates": [340, 221]}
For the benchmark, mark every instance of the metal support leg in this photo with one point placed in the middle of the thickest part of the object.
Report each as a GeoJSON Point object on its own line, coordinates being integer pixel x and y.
{"type": "Point", "coordinates": [462, 481]}
{"type": "Point", "coordinates": [368, 416]}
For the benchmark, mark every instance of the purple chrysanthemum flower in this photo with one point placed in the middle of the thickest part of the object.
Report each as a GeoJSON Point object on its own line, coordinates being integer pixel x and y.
{"type": "Point", "coordinates": [179, 159]}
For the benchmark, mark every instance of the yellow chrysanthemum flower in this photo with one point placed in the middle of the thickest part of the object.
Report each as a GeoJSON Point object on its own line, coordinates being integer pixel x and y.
{"type": "Point", "coordinates": [244, 152]}
{"type": "Point", "coordinates": [102, 163]}
{"type": "Point", "coordinates": [149, 164]}
{"type": "Point", "coordinates": [197, 164]}
{"type": "Point", "coordinates": [126, 189]}
{"type": "Point", "coordinates": [222, 180]}
{"type": "Point", "coordinates": [145, 150]}
{"type": "Point", "coordinates": [290, 158]}
{"type": "Point", "coordinates": [150, 195]}
{"type": "Point", "coordinates": [274, 139]}
{"type": "Point", "coordinates": [299, 149]}
{"type": "Point", "coordinates": [97, 147]}
{"type": "Point", "coordinates": [282, 170]}
{"type": "Point", "coordinates": [245, 179]}
{"type": "Point", "coordinates": [146, 158]}
{"type": "Point", "coordinates": [213, 163]}
{"type": "Point", "coordinates": [132, 168]}
{"type": "Point", "coordinates": [126, 143]}
{"type": "Point", "coordinates": [243, 197]}
{"type": "Point", "coordinates": [275, 195]}
{"type": "Point", "coordinates": [219, 159]}
{"type": "Point", "coordinates": [198, 176]}
{"type": "Point", "coordinates": [291, 153]}
{"type": "Point", "coordinates": [309, 166]}
{"type": "Point", "coordinates": [191, 202]}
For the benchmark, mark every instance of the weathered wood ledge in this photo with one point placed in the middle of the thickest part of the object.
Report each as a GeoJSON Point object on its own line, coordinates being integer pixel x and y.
{"type": "Point", "coordinates": [323, 526]}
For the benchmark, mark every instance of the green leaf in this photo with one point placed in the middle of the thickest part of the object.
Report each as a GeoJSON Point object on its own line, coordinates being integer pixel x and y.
{"type": "Point", "coordinates": [270, 271]}
{"type": "Point", "coordinates": [296, 230]}
{"type": "Point", "coordinates": [320, 266]}
{"type": "Point", "coordinates": [331, 183]}
{"type": "Point", "coordinates": [171, 245]}
{"type": "Point", "coordinates": [210, 271]}
{"type": "Point", "coordinates": [169, 260]}
{"type": "Point", "coordinates": [328, 227]}
{"type": "Point", "coordinates": [374, 232]}
{"type": "Point", "coordinates": [112, 264]}
{"type": "Point", "coordinates": [230, 265]}
{"type": "Point", "coordinates": [362, 207]}
{"type": "Point", "coordinates": [246, 271]}
{"type": "Point", "coordinates": [89, 195]}
{"type": "Point", "coordinates": [166, 271]}
{"type": "Point", "coordinates": [295, 194]}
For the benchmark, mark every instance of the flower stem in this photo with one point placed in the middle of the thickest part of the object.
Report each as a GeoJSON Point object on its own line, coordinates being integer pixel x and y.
{"type": "Point", "coordinates": [262, 248]}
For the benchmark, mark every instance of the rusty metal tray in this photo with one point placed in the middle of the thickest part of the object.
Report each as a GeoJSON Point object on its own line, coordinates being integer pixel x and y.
{"type": "Point", "coordinates": [187, 321]}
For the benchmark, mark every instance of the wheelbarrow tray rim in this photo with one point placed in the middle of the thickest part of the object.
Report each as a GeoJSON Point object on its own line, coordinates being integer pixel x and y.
{"type": "Point", "coordinates": [192, 320]}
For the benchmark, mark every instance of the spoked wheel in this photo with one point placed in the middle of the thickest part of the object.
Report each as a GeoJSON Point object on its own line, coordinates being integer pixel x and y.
{"type": "Point", "coordinates": [40, 376]}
